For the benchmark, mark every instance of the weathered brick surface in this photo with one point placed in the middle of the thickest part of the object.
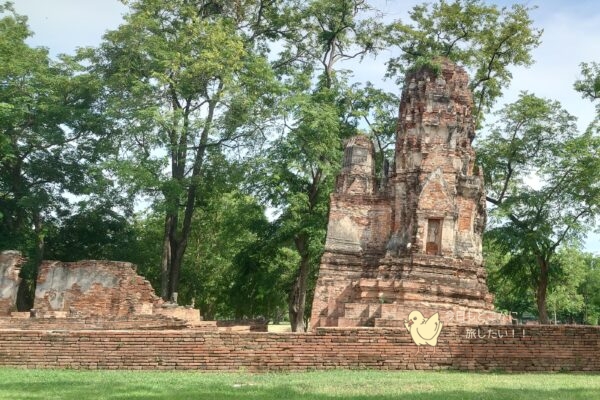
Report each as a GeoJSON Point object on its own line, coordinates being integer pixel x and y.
{"type": "Point", "coordinates": [243, 325]}
{"type": "Point", "coordinates": [469, 347]}
{"type": "Point", "coordinates": [137, 322]}
{"type": "Point", "coordinates": [102, 290]}
{"type": "Point", "coordinates": [10, 266]}
{"type": "Point", "coordinates": [93, 288]}
{"type": "Point", "coordinates": [412, 236]}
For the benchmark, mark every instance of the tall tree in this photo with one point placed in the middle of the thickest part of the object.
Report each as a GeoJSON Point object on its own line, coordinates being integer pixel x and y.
{"type": "Point", "coordinates": [299, 170]}
{"type": "Point", "coordinates": [482, 37]}
{"type": "Point", "coordinates": [183, 77]}
{"type": "Point", "coordinates": [564, 300]}
{"type": "Point", "coordinates": [541, 182]}
{"type": "Point", "coordinates": [510, 277]}
{"type": "Point", "coordinates": [51, 136]}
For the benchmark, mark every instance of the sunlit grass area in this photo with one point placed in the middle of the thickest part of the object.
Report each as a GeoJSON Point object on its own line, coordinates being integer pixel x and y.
{"type": "Point", "coordinates": [69, 384]}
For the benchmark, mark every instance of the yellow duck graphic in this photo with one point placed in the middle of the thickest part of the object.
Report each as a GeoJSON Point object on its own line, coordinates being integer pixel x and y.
{"type": "Point", "coordinates": [423, 330]}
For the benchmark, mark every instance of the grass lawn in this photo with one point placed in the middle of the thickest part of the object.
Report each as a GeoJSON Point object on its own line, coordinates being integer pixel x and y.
{"type": "Point", "coordinates": [83, 385]}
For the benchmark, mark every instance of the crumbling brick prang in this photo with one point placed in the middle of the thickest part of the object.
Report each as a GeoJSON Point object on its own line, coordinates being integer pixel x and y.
{"type": "Point", "coordinates": [411, 238]}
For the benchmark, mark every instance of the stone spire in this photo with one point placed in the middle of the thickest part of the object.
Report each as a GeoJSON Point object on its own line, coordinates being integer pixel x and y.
{"type": "Point", "coordinates": [412, 242]}
{"type": "Point", "coordinates": [440, 202]}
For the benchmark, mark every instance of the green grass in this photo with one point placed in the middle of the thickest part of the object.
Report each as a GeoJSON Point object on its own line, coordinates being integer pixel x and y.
{"type": "Point", "coordinates": [367, 385]}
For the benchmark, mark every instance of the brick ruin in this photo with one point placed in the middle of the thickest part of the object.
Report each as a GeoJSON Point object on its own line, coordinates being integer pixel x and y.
{"type": "Point", "coordinates": [542, 348]}
{"type": "Point", "coordinates": [93, 288]}
{"type": "Point", "coordinates": [90, 294]}
{"type": "Point", "coordinates": [410, 240]}
{"type": "Point", "coordinates": [10, 267]}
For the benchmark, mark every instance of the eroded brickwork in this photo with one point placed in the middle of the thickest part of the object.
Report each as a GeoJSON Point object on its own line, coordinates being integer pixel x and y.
{"type": "Point", "coordinates": [540, 348]}
{"type": "Point", "coordinates": [92, 288]}
{"type": "Point", "coordinates": [409, 239]}
{"type": "Point", "coordinates": [10, 266]}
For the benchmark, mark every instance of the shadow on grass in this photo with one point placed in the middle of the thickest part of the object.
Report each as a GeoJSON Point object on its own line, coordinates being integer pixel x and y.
{"type": "Point", "coordinates": [77, 390]}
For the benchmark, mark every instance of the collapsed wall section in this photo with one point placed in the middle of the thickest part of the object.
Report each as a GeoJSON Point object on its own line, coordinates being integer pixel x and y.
{"type": "Point", "coordinates": [92, 288]}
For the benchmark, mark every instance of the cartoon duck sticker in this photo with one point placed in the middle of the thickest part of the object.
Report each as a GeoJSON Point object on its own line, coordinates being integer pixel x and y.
{"type": "Point", "coordinates": [423, 330]}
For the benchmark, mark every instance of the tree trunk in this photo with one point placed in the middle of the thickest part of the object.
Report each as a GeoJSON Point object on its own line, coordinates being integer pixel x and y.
{"type": "Point", "coordinates": [541, 290]}
{"type": "Point", "coordinates": [26, 290]}
{"type": "Point", "coordinates": [176, 261]}
{"type": "Point", "coordinates": [297, 303]}
{"type": "Point", "coordinates": [165, 268]}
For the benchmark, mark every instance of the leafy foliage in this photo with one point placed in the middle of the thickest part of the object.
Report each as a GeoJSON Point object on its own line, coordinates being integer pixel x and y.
{"type": "Point", "coordinates": [589, 84]}
{"type": "Point", "coordinates": [51, 138]}
{"type": "Point", "coordinates": [50, 130]}
{"type": "Point", "coordinates": [540, 181]}
{"type": "Point", "coordinates": [317, 108]}
{"type": "Point", "coordinates": [485, 39]}
{"type": "Point", "coordinates": [182, 78]}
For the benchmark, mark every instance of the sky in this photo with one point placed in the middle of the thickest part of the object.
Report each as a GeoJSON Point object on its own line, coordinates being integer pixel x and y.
{"type": "Point", "coordinates": [571, 36]}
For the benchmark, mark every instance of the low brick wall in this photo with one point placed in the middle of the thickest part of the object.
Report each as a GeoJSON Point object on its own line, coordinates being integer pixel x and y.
{"type": "Point", "coordinates": [243, 325]}
{"type": "Point", "coordinates": [524, 348]}
{"type": "Point", "coordinates": [135, 322]}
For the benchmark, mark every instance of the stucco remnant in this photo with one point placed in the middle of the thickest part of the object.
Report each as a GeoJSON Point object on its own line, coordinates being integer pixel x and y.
{"type": "Point", "coordinates": [10, 267]}
{"type": "Point", "coordinates": [92, 288]}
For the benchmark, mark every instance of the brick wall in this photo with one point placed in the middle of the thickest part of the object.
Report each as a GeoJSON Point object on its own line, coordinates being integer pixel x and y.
{"type": "Point", "coordinates": [498, 347]}
{"type": "Point", "coordinates": [10, 266]}
{"type": "Point", "coordinates": [137, 322]}
{"type": "Point", "coordinates": [93, 288]}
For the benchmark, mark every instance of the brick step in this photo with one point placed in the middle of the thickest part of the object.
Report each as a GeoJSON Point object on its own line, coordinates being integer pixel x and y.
{"type": "Point", "coordinates": [390, 291]}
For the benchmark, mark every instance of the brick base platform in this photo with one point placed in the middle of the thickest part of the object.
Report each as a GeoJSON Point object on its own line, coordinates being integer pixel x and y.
{"type": "Point", "coordinates": [485, 347]}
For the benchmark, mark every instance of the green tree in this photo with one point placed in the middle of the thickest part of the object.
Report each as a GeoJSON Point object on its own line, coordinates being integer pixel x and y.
{"type": "Point", "coordinates": [564, 298]}
{"type": "Point", "coordinates": [228, 224]}
{"type": "Point", "coordinates": [264, 272]}
{"type": "Point", "coordinates": [482, 37]}
{"type": "Point", "coordinates": [541, 182]}
{"type": "Point", "coordinates": [94, 231]}
{"type": "Point", "coordinates": [51, 136]}
{"type": "Point", "coordinates": [183, 77]}
{"type": "Point", "coordinates": [590, 290]}
{"type": "Point", "coordinates": [589, 84]}
{"type": "Point", "coordinates": [299, 170]}
{"type": "Point", "coordinates": [511, 278]}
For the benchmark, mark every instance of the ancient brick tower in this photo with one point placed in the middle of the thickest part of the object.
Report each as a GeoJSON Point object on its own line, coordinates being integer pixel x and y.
{"type": "Point", "coordinates": [411, 239]}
